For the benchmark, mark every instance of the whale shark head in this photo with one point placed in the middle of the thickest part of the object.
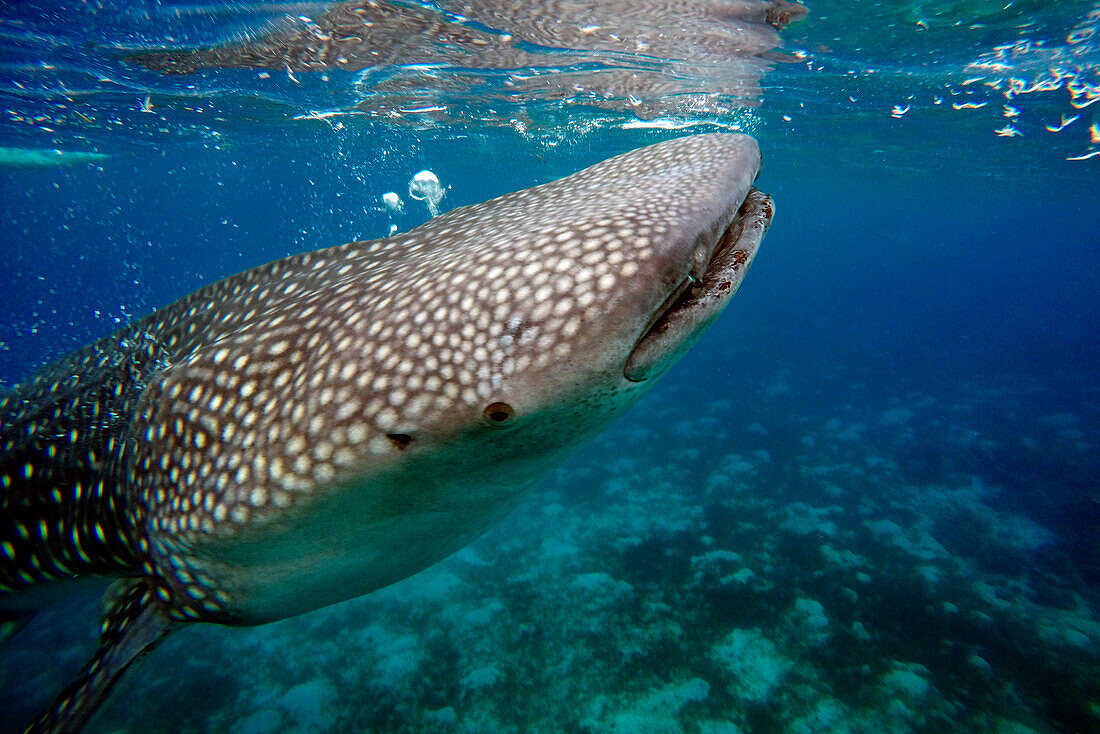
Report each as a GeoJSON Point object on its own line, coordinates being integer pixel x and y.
{"type": "Point", "coordinates": [352, 415]}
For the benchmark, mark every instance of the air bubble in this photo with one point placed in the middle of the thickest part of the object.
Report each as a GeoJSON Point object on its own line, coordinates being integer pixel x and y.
{"type": "Point", "coordinates": [393, 202]}
{"type": "Point", "coordinates": [425, 187]}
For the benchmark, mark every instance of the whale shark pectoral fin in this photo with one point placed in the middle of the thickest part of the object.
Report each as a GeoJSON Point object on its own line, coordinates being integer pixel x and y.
{"type": "Point", "coordinates": [133, 624]}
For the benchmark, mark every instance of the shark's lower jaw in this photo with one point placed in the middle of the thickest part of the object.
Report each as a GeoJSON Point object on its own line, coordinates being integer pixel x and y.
{"type": "Point", "coordinates": [701, 296]}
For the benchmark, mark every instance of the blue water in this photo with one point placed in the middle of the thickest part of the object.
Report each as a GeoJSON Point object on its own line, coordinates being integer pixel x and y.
{"type": "Point", "coordinates": [867, 501]}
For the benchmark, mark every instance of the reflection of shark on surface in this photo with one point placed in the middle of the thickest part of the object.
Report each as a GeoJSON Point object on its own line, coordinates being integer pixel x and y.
{"type": "Point", "coordinates": [648, 57]}
{"type": "Point", "coordinates": [322, 426]}
{"type": "Point", "coordinates": [45, 157]}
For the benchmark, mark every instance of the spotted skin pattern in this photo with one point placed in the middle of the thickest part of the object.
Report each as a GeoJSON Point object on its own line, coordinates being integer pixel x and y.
{"type": "Point", "coordinates": [313, 429]}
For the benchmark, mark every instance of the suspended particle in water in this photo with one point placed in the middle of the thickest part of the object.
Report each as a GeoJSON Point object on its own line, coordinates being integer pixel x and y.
{"type": "Point", "coordinates": [425, 187]}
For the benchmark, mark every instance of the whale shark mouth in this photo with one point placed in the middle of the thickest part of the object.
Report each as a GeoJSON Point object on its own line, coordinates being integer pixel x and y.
{"type": "Point", "coordinates": [703, 293]}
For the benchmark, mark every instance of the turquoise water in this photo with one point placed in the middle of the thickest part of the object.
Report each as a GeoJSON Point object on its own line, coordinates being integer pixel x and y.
{"type": "Point", "coordinates": [867, 501]}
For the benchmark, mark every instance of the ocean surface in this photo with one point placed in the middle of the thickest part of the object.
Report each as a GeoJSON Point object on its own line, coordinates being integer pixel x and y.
{"type": "Point", "coordinates": [868, 500]}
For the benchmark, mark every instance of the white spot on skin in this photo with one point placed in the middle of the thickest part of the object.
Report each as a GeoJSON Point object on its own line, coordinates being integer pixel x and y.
{"type": "Point", "coordinates": [386, 419]}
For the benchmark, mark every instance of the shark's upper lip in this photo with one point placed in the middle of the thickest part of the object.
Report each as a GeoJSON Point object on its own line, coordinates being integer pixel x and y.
{"type": "Point", "coordinates": [704, 292]}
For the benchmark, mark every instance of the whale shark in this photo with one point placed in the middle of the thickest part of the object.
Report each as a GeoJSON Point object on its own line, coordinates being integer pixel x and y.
{"type": "Point", "coordinates": [314, 429]}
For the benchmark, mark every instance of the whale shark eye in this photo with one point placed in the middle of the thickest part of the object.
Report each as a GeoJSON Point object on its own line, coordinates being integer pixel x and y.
{"type": "Point", "coordinates": [497, 414]}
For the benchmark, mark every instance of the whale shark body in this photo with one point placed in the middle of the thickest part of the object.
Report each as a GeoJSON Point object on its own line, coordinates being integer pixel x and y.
{"type": "Point", "coordinates": [316, 428]}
